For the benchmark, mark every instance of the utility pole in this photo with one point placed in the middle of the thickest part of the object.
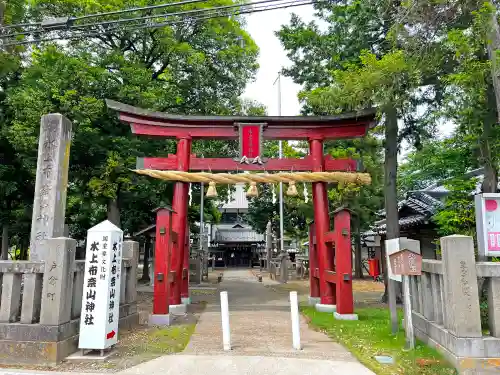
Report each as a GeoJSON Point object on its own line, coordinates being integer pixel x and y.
{"type": "Point", "coordinates": [280, 143]}
{"type": "Point", "coordinates": [202, 204]}
{"type": "Point", "coordinates": [201, 208]}
{"type": "Point", "coordinates": [203, 251]}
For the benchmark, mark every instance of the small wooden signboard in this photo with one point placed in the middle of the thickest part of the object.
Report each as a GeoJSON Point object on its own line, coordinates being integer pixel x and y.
{"type": "Point", "coordinates": [406, 262]}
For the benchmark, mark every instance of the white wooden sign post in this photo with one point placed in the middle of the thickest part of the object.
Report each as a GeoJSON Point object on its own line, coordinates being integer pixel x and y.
{"type": "Point", "coordinates": [395, 272]}
{"type": "Point", "coordinates": [101, 288]}
{"type": "Point", "coordinates": [393, 246]}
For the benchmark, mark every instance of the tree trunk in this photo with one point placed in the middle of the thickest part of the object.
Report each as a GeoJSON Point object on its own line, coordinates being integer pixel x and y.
{"type": "Point", "coordinates": [145, 261]}
{"type": "Point", "coordinates": [23, 253]}
{"type": "Point", "coordinates": [493, 47]}
{"type": "Point", "coordinates": [490, 181]}
{"type": "Point", "coordinates": [5, 242]}
{"type": "Point", "coordinates": [114, 212]}
{"type": "Point", "coordinates": [383, 270]}
{"type": "Point", "coordinates": [358, 262]}
{"type": "Point", "coordinates": [390, 173]}
{"type": "Point", "coordinates": [390, 187]}
{"type": "Point", "coordinates": [391, 199]}
{"type": "Point", "coordinates": [3, 5]}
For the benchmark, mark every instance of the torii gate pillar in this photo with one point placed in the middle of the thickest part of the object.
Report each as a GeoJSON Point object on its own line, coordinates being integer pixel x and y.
{"type": "Point", "coordinates": [313, 267]}
{"type": "Point", "coordinates": [322, 225]}
{"type": "Point", "coordinates": [180, 220]}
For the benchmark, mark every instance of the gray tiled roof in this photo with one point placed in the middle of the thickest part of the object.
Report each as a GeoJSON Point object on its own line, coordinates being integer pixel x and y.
{"type": "Point", "coordinates": [404, 222]}
{"type": "Point", "coordinates": [424, 206]}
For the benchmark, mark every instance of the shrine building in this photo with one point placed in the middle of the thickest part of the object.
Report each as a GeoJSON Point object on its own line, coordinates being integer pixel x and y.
{"type": "Point", "coordinates": [233, 242]}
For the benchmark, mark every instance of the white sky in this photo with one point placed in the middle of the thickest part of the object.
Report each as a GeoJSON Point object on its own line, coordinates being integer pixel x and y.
{"type": "Point", "coordinates": [261, 27]}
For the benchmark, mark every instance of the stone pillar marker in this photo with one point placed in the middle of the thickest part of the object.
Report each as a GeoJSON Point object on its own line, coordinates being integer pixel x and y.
{"type": "Point", "coordinates": [131, 250]}
{"type": "Point", "coordinates": [49, 205]}
{"type": "Point", "coordinates": [460, 286]}
{"type": "Point", "coordinates": [269, 246]}
{"type": "Point", "coordinates": [283, 257]}
{"type": "Point", "coordinates": [58, 281]}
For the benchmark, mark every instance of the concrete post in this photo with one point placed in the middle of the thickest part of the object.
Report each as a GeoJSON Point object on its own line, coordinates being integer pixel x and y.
{"type": "Point", "coordinates": [494, 306]}
{"type": "Point", "coordinates": [77, 298]}
{"type": "Point", "coordinates": [284, 267]}
{"type": "Point", "coordinates": [427, 293]}
{"type": "Point", "coordinates": [131, 250]}
{"type": "Point", "coordinates": [414, 294]}
{"type": "Point", "coordinates": [32, 293]}
{"type": "Point", "coordinates": [420, 294]}
{"type": "Point", "coordinates": [436, 298]}
{"type": "Point", "coordinates": [49, 205]}
{"type": "Point", "coordinates": [226, 333]}
{"type": "Point", "coordinates": [294, 309]}
{"type": "Point", "coordinates": [443, 299]}
{"type": "Point", "coordinates": [123, 284]}
{"type": "Point", "coordinates": [269, 246]}
{"type": "Point", "coordinates": [11, 297]}
{"type": "Point", "coordinates": [57, 288]}
{"type": "Point", "coordinates": [463, 317]}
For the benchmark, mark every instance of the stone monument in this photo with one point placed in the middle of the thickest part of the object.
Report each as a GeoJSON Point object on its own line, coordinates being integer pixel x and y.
{"type": "Point", "coordinates": [49, 205]}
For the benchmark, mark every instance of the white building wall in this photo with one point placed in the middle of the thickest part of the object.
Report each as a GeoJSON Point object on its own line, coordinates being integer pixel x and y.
{"type": "Point", "coordinates": [238, 203]}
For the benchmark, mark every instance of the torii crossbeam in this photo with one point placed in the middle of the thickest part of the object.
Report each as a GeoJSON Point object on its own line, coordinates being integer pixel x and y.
{"type": "Point", "coordinates": [251, 131]}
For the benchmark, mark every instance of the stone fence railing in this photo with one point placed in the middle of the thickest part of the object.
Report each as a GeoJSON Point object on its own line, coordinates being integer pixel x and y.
{"type": "Point", "coordinates": [41, 303]}
{"type": "Point", "coordinates": [446, 307]}
{"type": "Point", "coordinates": [296, 270]}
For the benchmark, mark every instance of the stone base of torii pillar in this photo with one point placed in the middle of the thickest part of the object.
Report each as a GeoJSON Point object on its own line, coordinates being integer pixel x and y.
{"type": "Point", "coordinates": [313, 301]}
{"type": "Point", "coordinates": [325, 308]}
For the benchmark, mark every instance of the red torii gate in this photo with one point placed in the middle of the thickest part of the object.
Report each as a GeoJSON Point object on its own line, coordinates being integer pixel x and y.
{"type": "Point", "coordinates": [171, 275]}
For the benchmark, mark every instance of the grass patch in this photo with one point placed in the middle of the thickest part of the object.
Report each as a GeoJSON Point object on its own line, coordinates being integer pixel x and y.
{"type": "Point", "coordinates": [158, 341]}
{"type": "Point", "coordinates": [371, 336]}
{"type": "Point", "coordinates": [134, 347]}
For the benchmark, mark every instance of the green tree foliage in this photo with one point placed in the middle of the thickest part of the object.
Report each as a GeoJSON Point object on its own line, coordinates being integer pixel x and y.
{"type": "Point", "coordinates": [189, 67]}
{"type": "Point", "coordinates": [385, 82]}
{"type": "Point", "coordinates": [458, 214]}
{"type": "Point", "coordinates": [363, 201]}
{"type": "Point", "coordinates": [470, 97]}
{"type": "Point", "coordinates": [436, 161]}
{"type": "Point", "coordinates": [14, 177]}
{"type": "Point", "coordinates": [468, 102]}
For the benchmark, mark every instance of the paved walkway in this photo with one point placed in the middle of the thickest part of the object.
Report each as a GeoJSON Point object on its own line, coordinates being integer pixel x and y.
{"type": "Point", "coordinates": [261, 339]}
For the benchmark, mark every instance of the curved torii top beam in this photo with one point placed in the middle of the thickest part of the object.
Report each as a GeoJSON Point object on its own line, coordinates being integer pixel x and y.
{"type": "Point", "coordinates": [145, 122]}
